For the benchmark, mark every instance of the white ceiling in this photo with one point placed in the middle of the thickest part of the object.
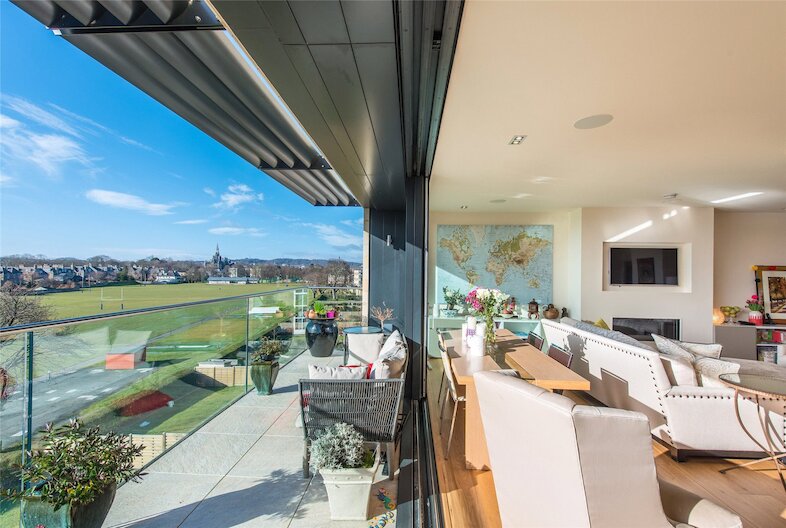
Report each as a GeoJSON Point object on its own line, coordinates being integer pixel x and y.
{"type": "Point", "coordinates": [697, 91]}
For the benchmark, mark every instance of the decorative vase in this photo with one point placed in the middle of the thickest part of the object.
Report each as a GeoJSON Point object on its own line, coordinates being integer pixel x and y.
{"type": "Point", "coordinates": [491, 334]}
{"type": "Point", "coordinates": [551, 312]}
{"type": "Point", "coordinates": [321, 337]}
{"type": "Point", "coordinates": [756, 318]}
{"type": "Point", "coordinates": [36, 512]}
{"type": "Point", "coordinates": [449, 313]}
{"type": "Point", "coordinates": [264, 376]}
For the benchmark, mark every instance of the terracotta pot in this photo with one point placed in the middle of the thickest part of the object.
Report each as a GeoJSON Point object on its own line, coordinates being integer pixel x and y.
{"type": "Point", "coordinates": [550, 312]}
{"type": "Point", "coordinates": [311, 314]}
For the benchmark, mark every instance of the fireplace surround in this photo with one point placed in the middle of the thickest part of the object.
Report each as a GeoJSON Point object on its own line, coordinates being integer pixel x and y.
{"type": "Point", "coordinates": [642, 328]}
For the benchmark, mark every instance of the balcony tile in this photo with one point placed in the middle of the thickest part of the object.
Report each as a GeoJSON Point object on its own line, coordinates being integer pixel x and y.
{"type": "Point", "coordinates": [243, 420]}
{"type": "Point", "coordinates": [285, 425]}
{"type": "Point", "coordinates": [271, 455]}
{"type": "Point", "coordinates": [204, 454]}
{"type": "Point", "coordinates": [161, 499]}
{"type": "Point", "coordinates": [250, 502]}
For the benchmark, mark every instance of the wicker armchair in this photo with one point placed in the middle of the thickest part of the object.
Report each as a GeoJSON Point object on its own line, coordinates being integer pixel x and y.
{"type": "Point", "coordinates": [371, 406]}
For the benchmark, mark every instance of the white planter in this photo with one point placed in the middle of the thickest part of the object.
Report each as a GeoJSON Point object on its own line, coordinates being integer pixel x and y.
{"type": "Point", "coordinates": [349, 491]}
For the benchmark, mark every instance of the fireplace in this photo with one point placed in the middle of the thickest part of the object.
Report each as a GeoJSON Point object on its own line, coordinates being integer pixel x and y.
{"type": "Point", "coordinates": [640, 328]}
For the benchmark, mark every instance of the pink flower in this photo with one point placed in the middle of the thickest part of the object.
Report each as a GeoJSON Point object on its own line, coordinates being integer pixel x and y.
{"type": "Point", "coordinates": [754, 297]}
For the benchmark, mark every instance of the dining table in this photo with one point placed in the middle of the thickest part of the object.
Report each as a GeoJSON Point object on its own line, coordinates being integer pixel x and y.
{"type": "Point", "coordinates": [511, 351]}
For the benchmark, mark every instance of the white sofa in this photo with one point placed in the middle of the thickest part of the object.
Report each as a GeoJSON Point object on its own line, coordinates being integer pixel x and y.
{"type": "Point", "coordinates": [691, 420]}
{"type": "Point", "coordinates": [558, 464]}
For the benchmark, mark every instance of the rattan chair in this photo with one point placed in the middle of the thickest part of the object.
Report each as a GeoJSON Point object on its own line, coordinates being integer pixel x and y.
{"type": "Point", "coordinates": [371, 406]}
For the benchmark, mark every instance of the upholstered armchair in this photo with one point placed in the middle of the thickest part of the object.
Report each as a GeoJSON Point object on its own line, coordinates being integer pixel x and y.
{"type": "Point", "coordinates": [559, 464]}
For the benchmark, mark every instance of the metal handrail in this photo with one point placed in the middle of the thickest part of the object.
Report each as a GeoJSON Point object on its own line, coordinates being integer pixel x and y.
{"type": "Point", "coordinates": [11, 330]}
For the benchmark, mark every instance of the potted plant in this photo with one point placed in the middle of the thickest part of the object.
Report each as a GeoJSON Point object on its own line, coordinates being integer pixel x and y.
{"type": "Point", "coordinates": [348, 468]}
{"type": "Point", "coordinates": [755, 316]}
{"type": "Point", "coordinates": [382, 314]}
{"type": "Point", "coordinates": [72, 479]}
{"type": "Point", "coordinates": [319, 309]}
{"type": "Point", "coordinates": [453, 299]}
{"type": "Point", "coordinates": [264, 365]}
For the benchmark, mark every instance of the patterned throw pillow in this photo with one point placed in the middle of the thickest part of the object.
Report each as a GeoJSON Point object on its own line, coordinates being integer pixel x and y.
{"type": "Point", "coordinates": [679, 370]}
{"type": "Point", "coordinates": [680, 348]}
{"type": "Point", "coordinates": [708, 371]}
{"type": "Point", "coordinates": [669, 347]}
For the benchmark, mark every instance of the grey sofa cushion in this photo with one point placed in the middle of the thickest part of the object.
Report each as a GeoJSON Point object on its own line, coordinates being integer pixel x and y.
{"type": "Point", "coordinates": [608, 334]}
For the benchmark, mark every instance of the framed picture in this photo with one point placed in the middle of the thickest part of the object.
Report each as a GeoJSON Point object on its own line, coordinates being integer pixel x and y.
{"type": "Point", "coordinates": [771, 287]}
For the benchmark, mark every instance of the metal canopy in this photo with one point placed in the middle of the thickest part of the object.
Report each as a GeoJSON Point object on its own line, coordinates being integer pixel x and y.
{"type": "Point", "coordinates": [163, 48]}
{"type": "Point", "coordinates": [366, 79]}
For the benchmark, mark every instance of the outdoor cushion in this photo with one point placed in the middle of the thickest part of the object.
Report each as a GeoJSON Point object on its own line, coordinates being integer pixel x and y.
{"type": "Point", "coordinates": [392, 358]}
{"type": "Point", "coordinates": [345, 373]}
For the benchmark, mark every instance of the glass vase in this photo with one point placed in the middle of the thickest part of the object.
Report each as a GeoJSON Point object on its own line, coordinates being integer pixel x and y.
{"type": "Point", "coordinates": [491, 334]}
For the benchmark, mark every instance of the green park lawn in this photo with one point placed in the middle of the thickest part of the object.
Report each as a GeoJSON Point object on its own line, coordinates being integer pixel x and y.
{"type": "Point", "coordinates": [89, 301]}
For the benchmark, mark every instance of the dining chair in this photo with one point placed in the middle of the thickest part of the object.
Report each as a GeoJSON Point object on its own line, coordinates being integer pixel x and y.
{"type": "Point", "coordinates": [453, 393]}
{"type": "Point", "coordinates": [535, 340]}
{"type": "Point", "coordinates": [442, 348]}
{"type": "Point", "coordinates": [561, 356]}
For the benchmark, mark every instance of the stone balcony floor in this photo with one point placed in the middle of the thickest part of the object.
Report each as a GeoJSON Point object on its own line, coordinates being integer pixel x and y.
{"type": "Point", "coordinates": [243, 468]}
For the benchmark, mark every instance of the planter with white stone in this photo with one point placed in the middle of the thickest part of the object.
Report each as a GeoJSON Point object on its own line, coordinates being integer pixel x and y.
{"type": "Point", "coordinates": [349, 491]}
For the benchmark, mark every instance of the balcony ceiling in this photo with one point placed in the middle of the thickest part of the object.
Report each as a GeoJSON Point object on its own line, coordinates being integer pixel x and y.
{"type": "Point", "coordinates": [697, 91]}
{"type": "Point", "coordinates": [335, 65]}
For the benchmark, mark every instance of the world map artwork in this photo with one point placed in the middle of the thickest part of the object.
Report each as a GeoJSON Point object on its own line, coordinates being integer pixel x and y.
{"type": "Point", "coordinates": [515, 259]}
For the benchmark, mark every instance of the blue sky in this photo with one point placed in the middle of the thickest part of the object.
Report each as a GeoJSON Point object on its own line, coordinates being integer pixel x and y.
{"type": "Point", "coordinates": [90, 165]}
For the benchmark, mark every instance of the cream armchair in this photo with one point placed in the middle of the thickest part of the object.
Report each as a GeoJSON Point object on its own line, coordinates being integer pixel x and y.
{"type": "Point", "coordinates": [559, 464]}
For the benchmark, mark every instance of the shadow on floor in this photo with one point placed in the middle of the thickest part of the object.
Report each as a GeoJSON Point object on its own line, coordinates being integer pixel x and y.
{"type": "Point", "coordinates": [274, 497]}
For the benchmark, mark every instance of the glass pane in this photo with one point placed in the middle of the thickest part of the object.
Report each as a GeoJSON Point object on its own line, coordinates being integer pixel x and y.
{"type": "Point", "coordinates": [12, 403]}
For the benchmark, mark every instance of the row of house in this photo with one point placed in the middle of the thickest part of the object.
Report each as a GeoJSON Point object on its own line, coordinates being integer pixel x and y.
{"type": "Point", "coordinates": [57, 273]}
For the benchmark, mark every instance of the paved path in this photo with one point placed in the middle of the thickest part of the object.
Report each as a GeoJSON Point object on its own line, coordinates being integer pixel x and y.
{"type": "Point", "coordinates": [241, 469]}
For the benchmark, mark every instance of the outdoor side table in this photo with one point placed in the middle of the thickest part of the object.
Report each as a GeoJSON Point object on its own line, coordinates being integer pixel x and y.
{"type": "Point", "coordinates": [757, 387]}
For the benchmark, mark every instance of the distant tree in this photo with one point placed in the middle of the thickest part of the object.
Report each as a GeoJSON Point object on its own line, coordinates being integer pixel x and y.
{"type": "Point", "coordinates": [18, 307]}
{"type": "Point", "coordinates": [123, 275]}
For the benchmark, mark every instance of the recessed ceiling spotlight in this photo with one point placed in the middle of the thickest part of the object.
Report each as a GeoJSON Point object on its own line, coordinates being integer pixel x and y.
{"type": "Point", "coordinates": [542, 179]}
{"type": "Point", "coordinates": [593, 121]}
{"type": "Point", "coordinates": [521, 195]}
{"type": "Point", "coordinates": [737, 197]}
{"type": "Point", "coordinates": [498, 200]}
{"type": "Point", "coordinates": [463, 206]}
{"type": "Point", "coordinates": [517, 140]}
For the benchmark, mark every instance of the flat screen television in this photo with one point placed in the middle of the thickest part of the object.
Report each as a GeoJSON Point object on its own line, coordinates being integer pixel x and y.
{"type": "Point", "coordinates": [643, 265]}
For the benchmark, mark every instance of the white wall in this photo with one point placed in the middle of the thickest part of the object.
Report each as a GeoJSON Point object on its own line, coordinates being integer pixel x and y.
{"type": "Point", "coordinates": [691, 228]}
{"type": "Point", "coordinates": [743, 240]}
{"type": "Point", "coordinates": [567, 238]}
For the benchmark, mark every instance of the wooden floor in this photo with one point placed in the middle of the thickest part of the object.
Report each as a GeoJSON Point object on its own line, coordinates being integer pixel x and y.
{"type": "Point", "coordinates": [469, 500]}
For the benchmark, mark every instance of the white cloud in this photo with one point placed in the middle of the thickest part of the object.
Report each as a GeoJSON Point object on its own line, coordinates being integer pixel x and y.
{"type": "Point", "coordinates": [6, 181]}
{"type": "Point", "coordinates": [39, 115]}
{"type": "Point", "coordinates": [128, 201]}
{"type": "Point", "coordinates": [192, 222]}
{"type": "Point", "coordinates": [50, 151]}
{"type": "Point", "coordinates": [8, 122]}
{"type": "Point", "coordinates": [353, 223]}
{"type": "Point", "coordinates": [209, 191]}
{"type": "Point", "coordinates": [335, 237]}
{"type": "Point", "coordinates": [135, 143]}
{"type": "Point", "coordinates": [237, 195]}
{"type": "Point", "coordinates": [234, 231]}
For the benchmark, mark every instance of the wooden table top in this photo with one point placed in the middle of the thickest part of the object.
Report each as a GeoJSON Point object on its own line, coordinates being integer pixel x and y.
{"type": "Point", "coordinates": [532, 364]}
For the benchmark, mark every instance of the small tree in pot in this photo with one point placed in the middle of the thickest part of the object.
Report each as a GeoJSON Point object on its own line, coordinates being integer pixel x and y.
{"type": "Point", "coordinates": [348, 468]}
{"type": "Point", "coordinates": [264, 365]}
{"type": "Point", "coordinates": [72, 479]}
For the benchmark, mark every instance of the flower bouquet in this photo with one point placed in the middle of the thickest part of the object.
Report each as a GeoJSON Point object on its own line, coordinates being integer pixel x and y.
{"type": "Point", "coordinates": [487, 303]}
